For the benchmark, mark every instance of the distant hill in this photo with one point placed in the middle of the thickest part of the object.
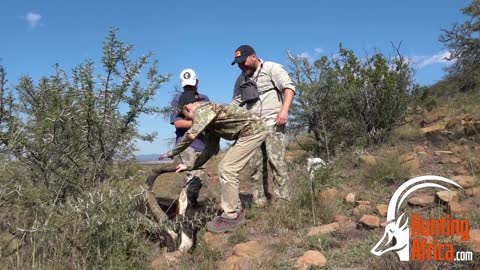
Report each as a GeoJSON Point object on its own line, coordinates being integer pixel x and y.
{"type": "Point", "coordinates": [149, 157]}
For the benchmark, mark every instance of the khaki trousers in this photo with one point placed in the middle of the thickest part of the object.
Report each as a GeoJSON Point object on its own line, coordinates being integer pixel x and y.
{"type": "Point", "coordinates": [229, 167]}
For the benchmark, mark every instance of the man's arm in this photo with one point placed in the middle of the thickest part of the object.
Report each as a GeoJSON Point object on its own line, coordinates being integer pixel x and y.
{"type": "Point", "coordinates": [180, 122]}
{"type": "Point", "coordinates": [202, 120]}
{"type": "Point", "coordinates": [212, 145]}
{"type": "Point", "coordinates": [282, 81]}
{"type": "Point", "coordinates": [282, 116]}
{"type": "Point", "coordinates": [237, 100]}
{"type": "Point", "coordinates": [183, 123]}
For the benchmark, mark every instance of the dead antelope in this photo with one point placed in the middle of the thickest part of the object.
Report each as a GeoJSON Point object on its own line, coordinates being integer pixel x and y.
{"type": "Point", "coordinates": [181, 237]}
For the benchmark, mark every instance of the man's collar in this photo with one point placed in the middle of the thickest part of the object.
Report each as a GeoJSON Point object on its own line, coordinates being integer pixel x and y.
{"type": "Point", "coordinates": [257, 71]}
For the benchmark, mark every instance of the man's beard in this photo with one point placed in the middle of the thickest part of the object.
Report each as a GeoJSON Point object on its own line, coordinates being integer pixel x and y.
{"type": "Point", "coordinates": [249, 72]}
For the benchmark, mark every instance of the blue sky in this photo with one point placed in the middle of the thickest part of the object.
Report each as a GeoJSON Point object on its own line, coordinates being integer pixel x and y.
{"type": "Point", "coordinates": [203, 35]}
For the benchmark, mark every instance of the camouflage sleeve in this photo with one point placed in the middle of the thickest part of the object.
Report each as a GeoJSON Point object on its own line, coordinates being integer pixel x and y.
{"type": "Point", "coordinates": [203, 116]}
{"type": "Point", "coordinates": [211, 148]}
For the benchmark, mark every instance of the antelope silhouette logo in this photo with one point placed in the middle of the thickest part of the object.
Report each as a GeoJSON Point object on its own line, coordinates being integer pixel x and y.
{"type": "Point", "coordinates": [394, 228]}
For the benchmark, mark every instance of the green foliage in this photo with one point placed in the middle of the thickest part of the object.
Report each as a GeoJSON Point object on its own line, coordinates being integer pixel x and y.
{"type": "Point", "coordinates": [69, 130]}
{"type": "Point", "coordinates": [463, 42]}
{"type": "Point", "coordinates": [421, 96]}
{"type": "Point", "coordinates": [65, 139]}
{"type": "Point", "coordinates": [344, 101]}
{"type": "Point", "coordinates": [97, 229]}
{"type": "Point", "coordinates": [6, 113]}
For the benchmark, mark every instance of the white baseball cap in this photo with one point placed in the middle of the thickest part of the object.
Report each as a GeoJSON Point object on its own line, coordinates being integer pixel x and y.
{"type": "Point", "coordinates": [188, 77]}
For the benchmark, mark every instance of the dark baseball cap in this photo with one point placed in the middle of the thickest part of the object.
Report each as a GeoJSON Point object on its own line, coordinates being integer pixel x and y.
{"type": "Point", "coordinates": [242, 53]}
{"type": "Point", "coordinates": [187, 97]}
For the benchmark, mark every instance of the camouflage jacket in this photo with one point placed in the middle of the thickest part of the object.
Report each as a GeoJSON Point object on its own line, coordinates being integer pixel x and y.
{"type": "Point", "coordinates": [218, 121]}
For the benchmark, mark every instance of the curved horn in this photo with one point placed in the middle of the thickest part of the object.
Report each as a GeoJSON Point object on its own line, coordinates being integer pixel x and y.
{"type": "Point", "coordinates": [392, 206]}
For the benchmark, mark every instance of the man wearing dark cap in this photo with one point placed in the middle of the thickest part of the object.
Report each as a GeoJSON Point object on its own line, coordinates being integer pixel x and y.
{"type": "Point", "coordinates": [189, 81]}
{"type": "Point", "coordinates": [275, 92]}
{"type": "Point", "coordinates": [229, 122]}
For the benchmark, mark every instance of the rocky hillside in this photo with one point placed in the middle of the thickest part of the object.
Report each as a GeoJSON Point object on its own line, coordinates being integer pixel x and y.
{"type": "Point", "coordinates": [335, 219]}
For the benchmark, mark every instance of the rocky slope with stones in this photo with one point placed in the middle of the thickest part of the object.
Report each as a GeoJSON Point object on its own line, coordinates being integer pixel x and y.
{"type": "Point", "coordinates": [442, 143]}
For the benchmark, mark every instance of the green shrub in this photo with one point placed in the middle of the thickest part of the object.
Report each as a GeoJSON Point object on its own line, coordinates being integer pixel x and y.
{"type": "Point", "coordinates": [61, 193]}
{"type": "Point", "coordinates": [346, 101]}
{"type": "Point", "coordinates": [98, 229]}
{"type": "Point", "coordinates": [387, 169]}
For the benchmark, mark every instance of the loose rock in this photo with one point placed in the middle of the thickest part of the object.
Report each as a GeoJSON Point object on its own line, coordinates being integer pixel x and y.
{"type": "Point", "coordinates": [370, 221]}
{"type": "Point", "coordinates": [309, 259]}
{"type": "Point", "coordinates": [447, 196]}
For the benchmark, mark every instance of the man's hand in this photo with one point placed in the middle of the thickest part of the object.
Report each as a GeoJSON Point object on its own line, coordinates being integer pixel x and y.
{"type": "Point", "coordinates": [163, 156]}
{"type": "Point", "coordinates": [181, 167]}
{"type": "Point", "coordinates": [282, 118]}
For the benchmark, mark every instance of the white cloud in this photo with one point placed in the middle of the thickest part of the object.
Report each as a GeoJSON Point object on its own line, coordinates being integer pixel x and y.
{"type": "Point", "coordinates": [318, 50]}
{"type": "Point", "coordinates": [335, 56]}
{"type": "Point", "coordinates": [439, 58]}
{"type": "Point", "coordinates": [304, 55]}
{"type": "Point", "coordinates": [33, 19]}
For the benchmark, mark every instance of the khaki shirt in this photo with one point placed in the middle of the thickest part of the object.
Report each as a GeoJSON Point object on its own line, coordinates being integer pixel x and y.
{"type": "Point", "coordinates": [269, 76]}
{"type": "Point", "coordinates": [218, 121]}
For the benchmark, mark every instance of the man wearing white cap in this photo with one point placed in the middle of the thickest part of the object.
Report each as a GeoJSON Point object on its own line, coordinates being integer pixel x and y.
{"type": "Point", "coordinates": [189, 81]}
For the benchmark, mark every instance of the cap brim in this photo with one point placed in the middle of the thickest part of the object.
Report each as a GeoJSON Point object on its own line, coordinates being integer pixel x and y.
{"type": "Point", "coordinates": [239, 59]}
{"type": "Point", "coordinates": [191, 82]}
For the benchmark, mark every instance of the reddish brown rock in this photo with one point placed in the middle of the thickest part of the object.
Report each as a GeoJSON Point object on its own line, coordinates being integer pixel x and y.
{"type": "Point", "coordinates": [450, 160]}
{"type": "Point", "coordinates": [382, 209]}
{"type": "Point", "coordinates": [362, 202]}
{"type": "Point", "coordinates": [250, 249]}
{"type": "Point", "coordinates": [419, 148]}
{"type": "Point", "coordinates": [370, 221]}
{"type": "Point", "coordinates": [231, 263]}
{"type": "Point", "coordinates": [341, 219]}
{"type": "Point", "coordinates": [362, 208]}
{"type": "Point", "coordinates": [474, 239]}
{"type": "Point", "coordinates": [473, 192]}
{"type": "Point", "coordinates": [460, 171]}
{"type": "Point", "coordinates": [465, 181]}
{"type": "Point", "coordinates": [422, 200]}
{"type": "Point", "coordinates": [457, 209]}
{"type": "Point", "coordinates": [309, 259]}
{"type": "Point", "coordinates": [447, 196]}
{"type": "Point", "coordinates": [455, 160]}
{"type": "Point", "coordinates": [323, 229]}
{"type": "Point", "coordinates": [455, 148]}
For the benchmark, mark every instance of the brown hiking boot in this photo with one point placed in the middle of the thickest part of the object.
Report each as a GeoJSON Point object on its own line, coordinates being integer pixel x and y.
{"type": "Point", "coordinates": [221, 224]}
